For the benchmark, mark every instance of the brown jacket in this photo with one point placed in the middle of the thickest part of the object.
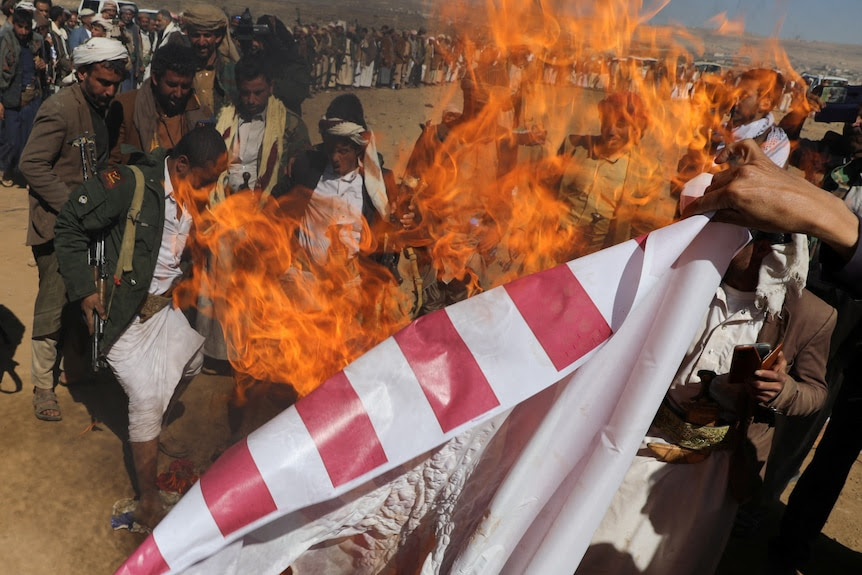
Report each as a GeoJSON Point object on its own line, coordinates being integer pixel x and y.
{"type": "Point", "coordinates": [50, 163]}
{"type": "Point", "coordinates": [805, 327]}
{"type": "Point", "coordinates": [133, 119]}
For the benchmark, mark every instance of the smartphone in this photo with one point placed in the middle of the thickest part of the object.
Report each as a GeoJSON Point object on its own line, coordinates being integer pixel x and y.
{"type": "Point", "coordinates": [749, 358]}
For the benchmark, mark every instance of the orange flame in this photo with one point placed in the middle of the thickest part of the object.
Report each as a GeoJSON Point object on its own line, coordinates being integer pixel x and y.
{"type": "Point", "coordinates": [494, 199]}
{"type": "Point", "coordinates": [727, 26]}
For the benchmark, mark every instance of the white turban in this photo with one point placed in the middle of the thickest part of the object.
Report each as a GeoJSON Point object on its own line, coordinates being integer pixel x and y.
{"type": "Point", "coordinates": [99, 50]}
{"type": "Point", "coordinates": [108, 25]}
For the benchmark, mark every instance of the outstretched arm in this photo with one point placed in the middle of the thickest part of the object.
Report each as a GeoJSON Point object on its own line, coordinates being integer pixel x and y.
{"type": "Point", "coordinates": [756, 193]}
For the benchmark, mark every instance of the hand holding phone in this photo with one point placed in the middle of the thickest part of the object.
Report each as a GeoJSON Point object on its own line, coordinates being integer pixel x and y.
{"type": "Point", "coordinates": [762, 370]}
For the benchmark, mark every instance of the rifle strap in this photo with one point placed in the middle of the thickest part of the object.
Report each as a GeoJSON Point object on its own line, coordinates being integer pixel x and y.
{"type": "Point", "coordinates": [127, 247]}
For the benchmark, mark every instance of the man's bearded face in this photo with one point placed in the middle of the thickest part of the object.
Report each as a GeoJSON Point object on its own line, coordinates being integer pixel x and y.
{"type": "Point", "coordinates": [109, 12]}
{"type": "Point", "coordinates": [172, 92]}
{"type": "Point", "coordinates": [144, 23]}
{"type": "Point", "coordinates": [22, 31]}
{"type": "Point", "coordinates": [617, 132]}
{"type": "Point", "coordinates": [748, 107]}
{"type": "Point", "coordinates": [204, 43]}
{"type": "Point", "coordinates": [99, 85]}
{"type": "Point", "coordinates": [162, 22]}
{"type": "Point", "coordinates": [193, 184]}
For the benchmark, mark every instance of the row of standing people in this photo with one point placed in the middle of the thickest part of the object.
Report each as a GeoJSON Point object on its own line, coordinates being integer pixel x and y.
{"type": "Point", "coordinates": [72, 163]}
{"type": "Point", "coordinates": [342, 56]}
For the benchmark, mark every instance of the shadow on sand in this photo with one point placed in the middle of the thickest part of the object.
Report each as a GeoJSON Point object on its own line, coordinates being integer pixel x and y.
{"type": "Point", "coordinates": [11, 336]}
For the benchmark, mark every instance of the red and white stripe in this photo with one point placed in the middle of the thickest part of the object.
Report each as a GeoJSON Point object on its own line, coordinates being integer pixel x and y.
{"type": "Point", "coordinates": [441, 375]}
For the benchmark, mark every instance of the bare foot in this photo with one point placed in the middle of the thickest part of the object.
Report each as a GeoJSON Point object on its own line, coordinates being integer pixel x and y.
{"type": "Point", "coordinates": [150, 510]}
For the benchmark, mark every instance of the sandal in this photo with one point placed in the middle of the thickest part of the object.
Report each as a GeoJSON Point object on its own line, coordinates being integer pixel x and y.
{"type": "Point", "coordinates": [43, 403]}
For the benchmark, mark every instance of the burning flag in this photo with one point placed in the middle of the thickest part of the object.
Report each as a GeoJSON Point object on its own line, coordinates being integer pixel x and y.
{"type": "Point", "coordinates": [487, 437]}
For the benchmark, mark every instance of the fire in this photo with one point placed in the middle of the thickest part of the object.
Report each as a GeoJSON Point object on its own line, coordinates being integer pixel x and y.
{"type": "Point", "coordinates": [727, 26]}
{"type": "Point", "coordinates": [489, 194]}
{"type": "Point", "coordinates": [284, 322]}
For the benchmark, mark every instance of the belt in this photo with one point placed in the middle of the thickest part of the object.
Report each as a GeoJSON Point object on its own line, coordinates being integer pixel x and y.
{"type": "Point", "coordinates": [690, 435]}
{"type": "Point", "coordinates": [153, 305]}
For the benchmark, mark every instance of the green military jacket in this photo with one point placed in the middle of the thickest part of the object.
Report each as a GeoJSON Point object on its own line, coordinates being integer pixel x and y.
{"type": "Point", "coordinates": [102, 204]}
{"type": "Point", "coordinates": [225, 90]}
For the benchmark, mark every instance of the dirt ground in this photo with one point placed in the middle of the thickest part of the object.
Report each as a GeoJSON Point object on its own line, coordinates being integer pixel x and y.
{"type": "Point", "coordinates": [58, 481]}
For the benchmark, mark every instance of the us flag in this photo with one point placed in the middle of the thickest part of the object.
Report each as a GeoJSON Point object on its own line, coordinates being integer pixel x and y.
{"type": "Point", "coordinates": [564, 369]}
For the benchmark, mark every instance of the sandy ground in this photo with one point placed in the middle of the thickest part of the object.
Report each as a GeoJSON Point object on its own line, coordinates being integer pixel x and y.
{"type": "Point", "coordinates": [58, 481]}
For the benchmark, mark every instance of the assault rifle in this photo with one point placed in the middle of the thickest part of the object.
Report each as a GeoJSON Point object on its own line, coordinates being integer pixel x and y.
{"type": "Point", "coordinates": [87, 147]}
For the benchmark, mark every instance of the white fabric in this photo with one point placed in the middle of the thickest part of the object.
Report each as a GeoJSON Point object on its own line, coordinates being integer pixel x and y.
{"type": "Point", "coordinates": [753, 129]}
{"type": "Point", "coordinates": [853, 200]}
{"type": "Point", "coordinates": [61, 32]}
{"type": "Point", "coordinates": [174, 237]}
{"type": "Point", "coordinates": [345, 129]}
{"type": "Point", "coordinates": [732, 319]}
{"type": "Point", "coordinates": [149, 360]}
{"type": "Point", "coordinates": [777, 144]}
{"type": "Point", "coordinates": [676, 518]}
{"type": "Point", "coordinates": [246, 149]}
{"type": "Point", "coordinates": [171, 29]}
{"type": "Point", "coordinates": [786, 268]}
{"type": "Point", "coordinates": [565, 450]}
{"type": "Point", "coordinates": [334, 211]}
{"type": "Point", "coordinates": [366, 75]}
{"type": "Point", "coordinates": [665, 519]}
{"type": "Point", "coordinates": [668, 518]}
{"type": "Point", "coordinates": [99, 50]}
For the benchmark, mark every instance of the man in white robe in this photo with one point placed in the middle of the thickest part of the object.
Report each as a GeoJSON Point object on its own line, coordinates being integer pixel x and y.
{"type": "Point", "coordinates": [675, 508]}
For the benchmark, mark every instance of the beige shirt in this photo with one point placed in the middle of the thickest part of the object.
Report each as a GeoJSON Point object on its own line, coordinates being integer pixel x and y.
{"type": "Point", "coordinates": [591, 188]}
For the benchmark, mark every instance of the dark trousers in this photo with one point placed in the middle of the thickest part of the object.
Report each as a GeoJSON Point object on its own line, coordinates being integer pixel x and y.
{"type": "Point", "coordinates": [818, 489]}
{"type": "Point", "coordinates": [16, 130]}
{"type": "Point", "coordinates": [384, 76]}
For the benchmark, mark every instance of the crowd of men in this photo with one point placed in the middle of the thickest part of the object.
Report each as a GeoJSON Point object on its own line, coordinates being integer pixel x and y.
{"type": "Point", "coordinates": [131, 126]}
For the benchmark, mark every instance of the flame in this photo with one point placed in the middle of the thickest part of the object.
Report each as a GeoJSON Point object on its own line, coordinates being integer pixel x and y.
{"type": "Point", "coordinates": [727, 26]}
{"type": "Point", "coordinates": [485, 185]}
